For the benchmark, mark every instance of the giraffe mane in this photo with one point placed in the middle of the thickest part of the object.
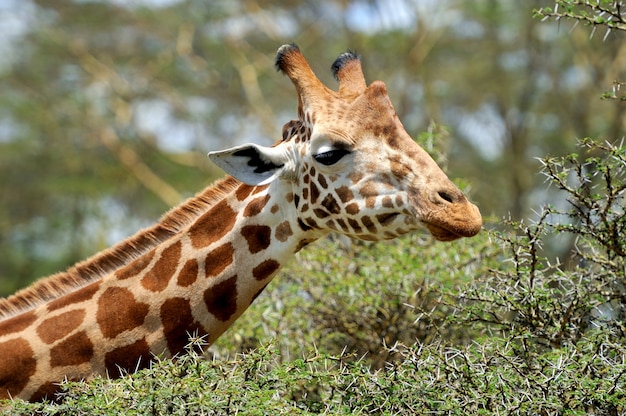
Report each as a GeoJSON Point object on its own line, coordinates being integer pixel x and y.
{"type": "Point", "coordinates": [106, 262]}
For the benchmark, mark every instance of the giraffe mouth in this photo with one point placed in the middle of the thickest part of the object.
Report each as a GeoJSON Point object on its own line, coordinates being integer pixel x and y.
{"type": "Point", "coordinates": [442, 234]}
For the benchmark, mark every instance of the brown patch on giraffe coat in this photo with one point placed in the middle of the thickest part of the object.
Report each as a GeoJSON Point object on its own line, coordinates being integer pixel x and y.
{"type": "Point", "coordinates": [315, 192]}
{"type": "Point", "coordinates": [283, 231]}
{"type": "Point", "coordinates": [352, 208]}
{"type": "Point", "coordinates": [303, 243]}
{"type": "Point", "coordinates": [118, 311]}
{"type": "Point", "coordinates": [341, 223]}
{"type": "Point", "coordinates": [160, 274]}
{"type": "Point", "coordinates": [257, 236]}
{"type": "Point", "coordinates": [355, 225]}
{"type": "Point", "coordinates": [258, 189]}
{"type": "Point", "coordinates": [45, 391]}
{"type": "Point", "coordinates": [178, 324]}
{"type": "Point", "coordinates": [219, 259]}
{"type": "Point", "coordinates": [369, 224]}
{"type": "Point", "coordinates": [135, 267]}
{"type": "Point", "coordinates": [387, 202]}
{"type": "Point", "coordinates": [331, 204]}
{"type": "Point", "coordinates": [399, 169]}
{"type": "Point", "coordinates": [256, 206]}
{"type": "Point", "coordinates": [80, 295]}
{"type": "Point", "coordinates": [128, 358]}
{"type": "Point", "coordinates": [189, 273]}
{"type": "Point", "coordinates": [274, 209]}
{"type": "Point", "coordinates": [17, 323]}
{"type": "Point", "coordinates": [311, 223]}
{"type": "Point", "coordinates": [221, 299]}
{"type": "Point", "coordinates": [345, 194]}
{"type": "Point", "coordinates": [57, 327]}
{"type": "Point", "coordinates": [16, 370]}
{"type": "Point", "coordinates": [213, 225]}
{"type": "Point", "coordinates": [243, 192]}
{"type": "Point", "coordinates": [265, 269]}
{"type": "Point", "coordinates": [322, 181]}
{"type": "Point", "coordinates": [320, 213]}
{"type": "Point", "coordinates": [356, 176]}
{"type": "Point", "coordinates": [74, 350]}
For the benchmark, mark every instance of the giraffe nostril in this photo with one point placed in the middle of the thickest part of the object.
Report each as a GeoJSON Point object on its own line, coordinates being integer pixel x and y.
{"type": "Point", "coordinates": [446, 196]}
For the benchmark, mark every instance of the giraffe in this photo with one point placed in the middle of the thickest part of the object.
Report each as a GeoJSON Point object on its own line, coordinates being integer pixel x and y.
{"type": "Point", "coordinates": [346, 164]}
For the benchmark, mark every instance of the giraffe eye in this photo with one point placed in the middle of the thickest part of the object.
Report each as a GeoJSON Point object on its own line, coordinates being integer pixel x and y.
{"type": "Point", "coordinates": [330, 157]}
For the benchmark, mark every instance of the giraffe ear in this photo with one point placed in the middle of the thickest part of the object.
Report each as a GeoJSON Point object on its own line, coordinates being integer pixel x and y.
{"type": "Point", "coordinates": [252, 164]}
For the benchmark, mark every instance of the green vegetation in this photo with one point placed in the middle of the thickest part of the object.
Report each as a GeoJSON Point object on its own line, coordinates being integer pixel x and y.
{"type": "Point", "coordinates": [488, 325]}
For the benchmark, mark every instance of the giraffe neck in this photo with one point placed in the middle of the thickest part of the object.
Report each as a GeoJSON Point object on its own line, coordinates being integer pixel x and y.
{"type": "Point", "coordinates": [197, 281]}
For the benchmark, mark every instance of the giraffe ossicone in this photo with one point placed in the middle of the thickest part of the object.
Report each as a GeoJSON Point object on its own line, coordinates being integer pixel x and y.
{"type": "Point", "coordinates": [346, 164]}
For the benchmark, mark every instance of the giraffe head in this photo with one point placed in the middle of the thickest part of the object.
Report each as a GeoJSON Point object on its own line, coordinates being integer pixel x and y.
{"type": "Point", "coordinates": [348, 164]}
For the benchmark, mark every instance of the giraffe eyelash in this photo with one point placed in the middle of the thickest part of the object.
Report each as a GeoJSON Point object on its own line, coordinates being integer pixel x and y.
{"type": "Point", "coordinates": [331, 157]}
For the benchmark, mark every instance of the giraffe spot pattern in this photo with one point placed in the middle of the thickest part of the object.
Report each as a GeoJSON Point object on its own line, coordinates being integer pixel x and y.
{"type": "Point", "coordinates": [320, 213]}
{"type": "Point", "coordinates": [387, 202]}
{"type": "Point", "coordinates": [259, 189]}
{"type": "Point", "coordinates": [221, 299]}
{"type": "Point", "coordinates": [57, 327]}
{"type": "Point", "coordinates": [342, 224]}
{"type": "Point", "coordinates": [283, 231]}
{"type": "Point", "coordinates": [74, 350]}
{"type": "Point", "coordinates": [302, 244]}
{"type": "Point", "coordinates": [159, 276]}
{"type": "Point", "coordinates": [213, 225]}
{"type": "Point", "coordinates": [178, 324]}
{"type": "Point", "coordinates": [369, 224]}
{"type": "Point", "coordinates": [322, 181]}
{"type": "Point", "coordinates": [257, 236]}
{"type": "Point", "coordinates": [330, 203]}
{"type": "Point", "coordinates": [118, 311]}
{"type": "Point", "coordinates": [243, 192]}
{"type": "Point", "coordinates": [80, 295]}
{"type": "Point", "coordinates": [16, 371]}
{"type": "Point", "coordinates": [303, 226]}
{"type": "Point", "coordinates": [352, 208]}
{"type": "Point", "coordinates": [354, 224]}
{"type": "Point", "coordinates": [265, 269]}
{"type": "Point", "coordinates": [46, 391]}
{"type": "Point", "coordinates": [128, 358]}
{"type": "Point", "coordinates": [219, 259]}
{"type": "Point", "coordinates": [345, 194]}
{"type": "Point", "coordinates": [136, 267]}
{"type": "Point", "coordinates": [189, 273]}
{"type": "Point", "coordinates": [17, 323]}
{"type": "Point", "coordinates": [315, 192]}
{"type": "Point", "coordinates": [256, 206]}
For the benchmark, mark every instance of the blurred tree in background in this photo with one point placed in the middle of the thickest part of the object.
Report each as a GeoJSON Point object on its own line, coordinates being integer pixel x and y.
{"type": "Point", "coordinates": [108, 107]}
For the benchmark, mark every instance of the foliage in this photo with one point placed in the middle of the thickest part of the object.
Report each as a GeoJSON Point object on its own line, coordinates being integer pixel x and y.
{"type": "Point", "coordinates": [526, 336]}
{"type": "Point", "coordinates": [609, 14]}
